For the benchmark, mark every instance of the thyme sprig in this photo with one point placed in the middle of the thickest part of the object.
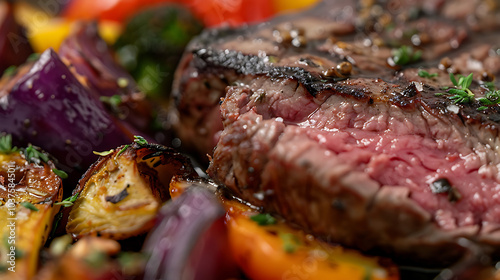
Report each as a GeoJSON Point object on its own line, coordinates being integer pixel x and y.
{"type": "Point", "coordinates": [461, 93]}
{"type": "Point", "coordinates": [68, 201]}
{"type": "Point", "coordinates": [405, 55]}
{"type": "Point", "coordinates": [491, 98]}
{"type": "Point", "coordinates": [425, 74]}
{"type": "Point", "coordinates": [6, 145]}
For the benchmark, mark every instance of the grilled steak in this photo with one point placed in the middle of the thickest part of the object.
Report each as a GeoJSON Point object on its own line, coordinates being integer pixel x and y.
{"type": "Point", "coordinates": [345, 121]}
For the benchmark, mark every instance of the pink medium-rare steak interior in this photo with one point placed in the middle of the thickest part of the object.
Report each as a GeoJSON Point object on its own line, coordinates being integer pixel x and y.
{"type": "Point", "coordinates": [394, 148]}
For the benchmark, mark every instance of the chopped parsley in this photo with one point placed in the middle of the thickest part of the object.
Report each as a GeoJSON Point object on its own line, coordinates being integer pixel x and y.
{"type": "Point", "coordinates": [6, 145]}
{"type": "Point", "coordinates": [68, 201]}
{"type": "Point", "coordinates": [405, 55]}
{"type": "Point", "coordinates": [140, 140]}
{"type": "Point", "coordinates": [425, 74]}
{"type": "Point", "coordinates": [103, 154]}
{"type": "Point", "coordinates": [60, 173]}
{"type": "Point", "coordinates": [263, 219]}
{"type": "Point", "coordinates": [29, 205]}
{"type": "Point", "coordinates": [461, 93]}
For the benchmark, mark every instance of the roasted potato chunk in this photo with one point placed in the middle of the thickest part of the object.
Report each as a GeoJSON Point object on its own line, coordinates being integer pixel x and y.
{"type": "Point", "coordinates": [27, 195]}
{"type": "Point", "coordinates": [121, 193]}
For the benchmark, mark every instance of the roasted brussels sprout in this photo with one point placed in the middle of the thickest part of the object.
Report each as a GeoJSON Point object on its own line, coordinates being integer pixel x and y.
{"type": "Point", "coordinates": [29, 189]}
{"type": "Point", "coordinates": [121, 193]}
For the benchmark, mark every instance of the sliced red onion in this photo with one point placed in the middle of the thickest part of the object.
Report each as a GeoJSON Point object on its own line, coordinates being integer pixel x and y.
{"type": "Point", "coordinates": [44, 104]}
{"type": "Point", "coordinates": [189, 241]}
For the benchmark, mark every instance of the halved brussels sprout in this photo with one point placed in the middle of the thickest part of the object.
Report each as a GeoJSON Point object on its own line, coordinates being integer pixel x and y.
{"type": "Point", "coordinates": [120, 195]}
{"type": "Point", "coordinates": [28, 190]}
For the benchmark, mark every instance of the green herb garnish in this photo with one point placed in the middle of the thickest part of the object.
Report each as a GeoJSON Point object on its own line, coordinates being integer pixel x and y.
{"type": "Point", "coordinates": [122, 150]}
{"type": "Point", "coordinates": [57, 220]}
{"type": "Point", "coordinates": [68, 201]}
{"type": "Point", "coordinates": [11, 70]}
{"type": "Point", "coordinates": [103, 154]}
{"type": "Point", "coordinates": [489, 85]}
{"type": "Point", "coordinates": [96, 259]}
{"type": "Point", "coordinates": [140, 140]}
{"type": "Point", "coordinates": [129, 259]}
{"type": "Point", "coordinates": [263, 219]}
{"type": "Point", "coordinates": [114, 101]}
{"type": "Point", "coordinates": [491, 98]}
{"type": "Point", "coordinates": [6, 145]}
{"type": "Point", "coordinates": [29, 206]}
{"type": "Point", "coordinates": [33, 57]}
{"type": "Point", "coordinates": [33, 155]}
{"type": "Point", "coordinates": [461, 93]}
{"type": "Point", "coordinates": [405, 55]}
{"type": "Point", "coordinates": [425, 74]}
{"type": "Point", "coordinates": [290, 242]}
{"type": "Point", "coordinates": [60, 173]}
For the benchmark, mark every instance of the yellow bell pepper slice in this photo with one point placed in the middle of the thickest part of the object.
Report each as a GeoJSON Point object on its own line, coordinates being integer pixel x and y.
{"type": "Point", "coordinates": [44, 31]}
{"type": "Point", "coordinates": [284, 6]}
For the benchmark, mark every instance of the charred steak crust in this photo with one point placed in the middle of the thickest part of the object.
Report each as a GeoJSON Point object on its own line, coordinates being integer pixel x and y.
{"type": "Point", "coordinates": [353, 156]}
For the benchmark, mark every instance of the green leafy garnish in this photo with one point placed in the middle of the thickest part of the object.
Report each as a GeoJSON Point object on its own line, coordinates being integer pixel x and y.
{"type": "Point", "coordinates": [122, 150]}
{"type": "Point", "coordinates": [33, 155]}
{"type": "Point", "coordinates": [405, 55]}
{"type": "Point", "coordinates": [140, 140]}
{"type": "Point", "coordinates": [29, 206]}
{"type": "Point", "coordinates": [491, 98]}
{"type": "Point", "coordinates": [129, 259]}
{"type": "Point", "coordinates": [489, 85]}
{"type": "Point", "coordinates": [103, 154]}
{"type": "Point", "coordinates": [33, 57]}
{"type": "Point", "coordinates": [60, 173]}
{"type": "Point", "coordinates": [6, 145]}
{"type": "Point", "coordinates": [425, 74]}
{"type": "Point", "coordinates": [290, 242]}
{"type": "Point", "coordinates": [57, 220]}
{"type": "Point", "coordinates": [11, 70]}
{"type": "Point", "coordinates": [96, 259]}
{"type": "Point", "coordinates": [68, 201]}
{"type": "Point", "coordinates": [263, 219]}
{"type": "Point", "coordinates": [461, 93]}
{"type": "Point", "coordinates": [114, 101]}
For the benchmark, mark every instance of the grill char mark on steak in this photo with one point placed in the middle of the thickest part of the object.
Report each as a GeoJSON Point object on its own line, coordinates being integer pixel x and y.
{"type": "Point", "coordinates": [350, 159]}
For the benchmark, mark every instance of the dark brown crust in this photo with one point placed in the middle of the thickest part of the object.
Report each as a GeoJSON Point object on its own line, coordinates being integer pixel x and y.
{"type": "Point", "coordinates": [233, 55]}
